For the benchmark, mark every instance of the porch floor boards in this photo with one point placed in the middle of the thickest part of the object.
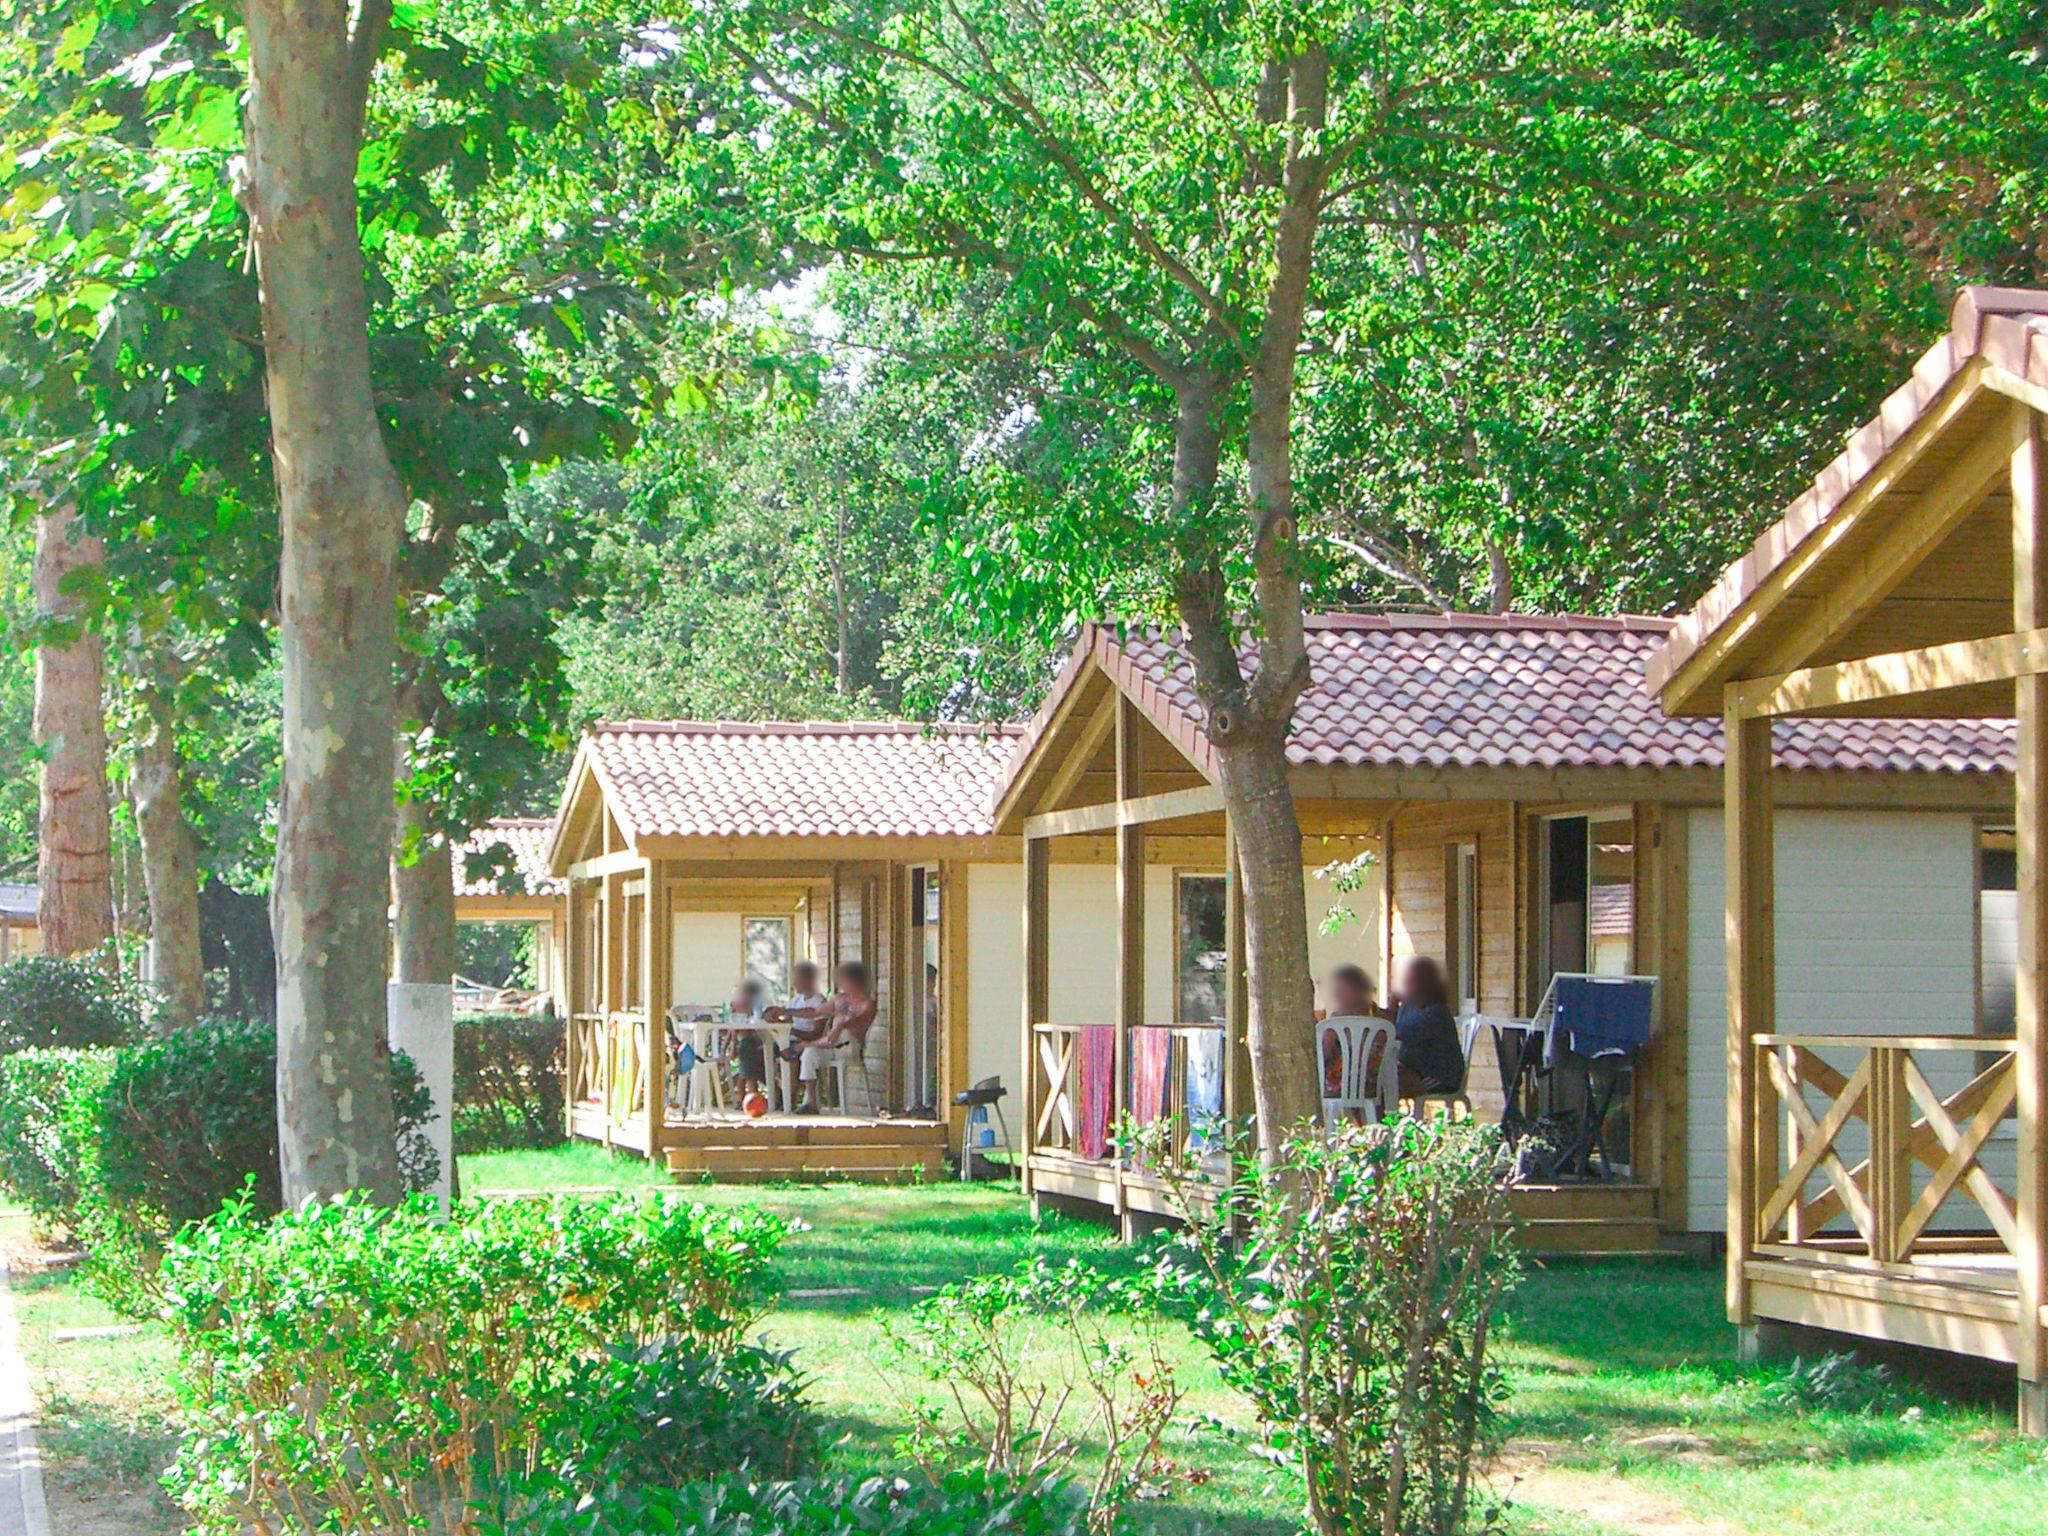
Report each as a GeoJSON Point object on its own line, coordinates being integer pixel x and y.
{"type": "Point", "coordinates": [1961, 1297]}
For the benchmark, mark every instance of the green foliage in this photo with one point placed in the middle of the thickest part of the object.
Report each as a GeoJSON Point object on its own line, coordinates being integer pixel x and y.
{"type": "Point", "coordinates": [47, 1001]}
{"type": "Point", "coordinates": [508, 1082]}
{"type": "Point", "coordinates": [963, 1503]}
{"type": "Point", "coordinates": [188, 1119]}
{"type": "Point", "coordinates": [351, 1368]}
{"type": "Point", "coordinates": [1359, 1316]}
{"type": "Point", "coordinates": [49, 1101]}
{"type": "Point", "coordinates": [1034, 1366]}
{"type": "Point", "coordinates": [1832, 1383]}
{"type": "Point", "coordinates": [671, 1412]}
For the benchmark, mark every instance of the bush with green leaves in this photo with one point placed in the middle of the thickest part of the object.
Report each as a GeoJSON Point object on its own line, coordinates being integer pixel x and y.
{"type": "Point", "coordinates": [1030, 1368]}
{"type": "Point", "coordinates": [188, 1119]}
{"type": "Point", "coordinates": [49, 1103]}
{"type": "Point", "coordinates": [509, 1081]}
{"type": "Point", "coordinates": [1358, 1311]}
{"type": "Point", "coordinates": [51, 1003]}
{"type": "Point", "coordinates": [966, 1502]}
{"type": "Point", "coordinates": [346, 1368]}
{"type": "Point", "coordinates": [1836, 1382]}
{"type": "Point", "coordinates": [675, 1411]}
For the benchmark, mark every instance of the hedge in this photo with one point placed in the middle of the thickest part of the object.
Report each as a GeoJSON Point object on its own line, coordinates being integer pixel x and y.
{"type": "Point", "coordinates": [508, 1081]}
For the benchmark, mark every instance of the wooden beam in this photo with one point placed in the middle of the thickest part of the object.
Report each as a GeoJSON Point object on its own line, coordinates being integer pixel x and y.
{"type": "Point", "coordinates": [604, 864]}
{"type": "Point", "coordinates": [953, 997]}
{"type": "Point", "coordinates": [2013, 387]}
{"type": "Point", "coordinates": [1126, 811]}
{"type": "Point", "coordinates": [1037, 981]}
{"type": "Point", "coordinates": [1896, 675]}
{"type": "Point", "coordinates": [1094, 732]}
{"type": "Point", "coordinates": [2029, 470]}
{"type": "Point", "coordinates": [1130, 909]}
{"type": "Point", "coordinates": [1752, 966]}
{"type": "Point", "coordinates": [654, 990]}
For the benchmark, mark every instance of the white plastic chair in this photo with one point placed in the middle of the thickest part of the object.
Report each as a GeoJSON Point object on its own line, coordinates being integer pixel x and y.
{"type": "Point", "coordinates": [1362, 1088]}
{"type": "Point", "coordinates": [704, 1086]}
{"type": "Point", "coordinates": [1455, 1098]}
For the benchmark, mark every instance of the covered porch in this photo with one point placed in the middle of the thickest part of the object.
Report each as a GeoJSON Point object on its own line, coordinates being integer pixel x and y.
{"type": "Point", "coordinates": [1886, 1180]}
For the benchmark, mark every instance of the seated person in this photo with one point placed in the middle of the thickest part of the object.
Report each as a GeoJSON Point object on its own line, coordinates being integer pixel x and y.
{"type": "Point", "coordinates": [808, 1011]}
{"type": "Point", "coordinates": [853, 1010]}
{"type": "Point", "coordinates": [744, 1045]}
{"type": "Point", "coordinates": [1349, 991]}
{"type": "Point", "coordinates": [1432, 1061]}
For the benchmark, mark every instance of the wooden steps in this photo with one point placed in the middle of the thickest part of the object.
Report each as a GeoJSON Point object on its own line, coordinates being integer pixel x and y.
{"type": "Point", "coordinates": [821, 1147]}
{"type": "Point", "coordinates": [1587, 1218]}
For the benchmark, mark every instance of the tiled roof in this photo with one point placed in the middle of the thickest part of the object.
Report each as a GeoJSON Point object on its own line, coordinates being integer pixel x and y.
{"type": "Point", "coordinates": [1510, 692]}
{"type": "Point", "coordinates": [2006, 327]}
{"type": "Point", "coordinates": [807, 779]}
{"type": "Point", "coordinates": [1611, 911]}
{"type": "Point", "coordinates": [17, 900]}
{"type": "Point", "coordinates": [525, 839]}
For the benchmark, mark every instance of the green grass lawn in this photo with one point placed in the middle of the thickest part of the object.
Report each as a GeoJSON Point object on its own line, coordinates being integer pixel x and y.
{"type": "Point", "coordinates": [1601, 1356]}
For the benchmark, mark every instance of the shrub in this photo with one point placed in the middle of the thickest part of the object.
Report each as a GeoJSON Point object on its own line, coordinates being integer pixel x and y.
{"type": "Point", "coordinates": [508, 1082]}
{"type": "Point", "coordinates": [1357, 1313]}
{"type": "Point", "coordinates": [347, 1368]}
{"type": "Point", "coordinates": [187, 1119]}
{"type": "Point", "coordinates": [1031, 1369]}
{"type": "Point", "coordinates": [672, 1412]}
{"type": "Point", "coordinates": [48, 1106]}
{"type": "Point", "coordinates": [968, 1502]}
{"type": "Point", "coordinates": [47, 1002]}
{"type": "Point", "coordinates": [1833, 1383]}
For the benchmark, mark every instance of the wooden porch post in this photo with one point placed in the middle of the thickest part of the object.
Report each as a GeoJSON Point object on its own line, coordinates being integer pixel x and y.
{"type": "Point", "coordinates": [1752, 1155]}
{"type": "Point", "coordinates": [1037, 985]}
{"type": "Point", "coordinates": [654, 991]}
{"type": "Point", "coordinates": [1130, 929]}
{"type": "Point", "coordinates": [2030, 611]}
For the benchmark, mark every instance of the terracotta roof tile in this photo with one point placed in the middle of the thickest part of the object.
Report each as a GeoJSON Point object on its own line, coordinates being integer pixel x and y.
{"type": "Point", "coordinates": [1521, 692]}
{"type": "Point", "coordinates": [800, 779]}
{"type": "Point", "coordinates": [525, 839]}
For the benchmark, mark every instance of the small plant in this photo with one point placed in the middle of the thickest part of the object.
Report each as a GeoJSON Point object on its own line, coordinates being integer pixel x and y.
{"type": "Point", "coordinates": [1357, 1312]}
{"type": "Point", "coordinates": [351, 1369]}
{"type": "Point", "coordinates": [51, 1003]}
{"type": "Point", "coordinates": [675, 1411]}
{"type": "Point", "coordinates": [1031, 1370]}
{"type": "Point", "coordinates": [1832, 1383]}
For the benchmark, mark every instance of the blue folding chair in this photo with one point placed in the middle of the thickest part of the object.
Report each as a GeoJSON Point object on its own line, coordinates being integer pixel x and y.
{"type": "Point", "coordinates": [1598, 1026]}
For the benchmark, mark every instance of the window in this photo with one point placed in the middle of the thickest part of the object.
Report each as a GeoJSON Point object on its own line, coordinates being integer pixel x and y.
{"type": "Point", "coordinates": [765, 954]}
{"type": "Point", "coordinates": [1461, 926]}
{"type": "Point", "coordinates": [634, 917]}
{"type": "Point", "coordinates": [1200, 949]}
{"type": "Point", "coordinates": [1587, 917]}
{"type": "Point", "coordinates": [1998, 929]}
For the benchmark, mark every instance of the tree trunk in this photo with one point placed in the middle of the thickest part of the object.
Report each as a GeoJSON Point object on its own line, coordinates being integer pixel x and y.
{"type": "Point", "coordinates": [74, 868]}
{"type": "Point", "coordinates": [170, 867]}
{"type": "Point", "coordinates": [342, 510]}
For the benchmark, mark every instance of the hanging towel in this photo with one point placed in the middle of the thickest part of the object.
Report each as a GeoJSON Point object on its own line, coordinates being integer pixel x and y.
{"type": "Point", "coordinates": [1151, 1050]}
{"type": "Point", "coordinates": [1098, 1090]}
{"type": "Point", "coordinates": [1204, 1076]}
{"type": "Point", "coordinates": [1602, 1015]}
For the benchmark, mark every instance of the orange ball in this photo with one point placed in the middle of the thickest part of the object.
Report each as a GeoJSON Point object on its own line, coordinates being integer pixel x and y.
{"type": "Point", "coordinates": [755, 1104]}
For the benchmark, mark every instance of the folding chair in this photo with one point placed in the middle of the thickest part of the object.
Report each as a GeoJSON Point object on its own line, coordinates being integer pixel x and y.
{"type": "Point", "coordinates": [1598, 1025]}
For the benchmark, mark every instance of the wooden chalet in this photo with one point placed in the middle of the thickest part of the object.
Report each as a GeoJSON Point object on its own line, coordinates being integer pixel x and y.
{"type": "Point", "coordinates": [1889, 1172]}
{"type": "Point", "coordinates": [502, 876]}
{"type": "Point", "coordinates": [1527, 810]}
{"type": "Point", "coordinates": [696, 852]}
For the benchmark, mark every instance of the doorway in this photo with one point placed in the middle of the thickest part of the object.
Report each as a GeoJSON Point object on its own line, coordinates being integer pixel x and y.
{"type": "Point", "coordinates": [923, 988]}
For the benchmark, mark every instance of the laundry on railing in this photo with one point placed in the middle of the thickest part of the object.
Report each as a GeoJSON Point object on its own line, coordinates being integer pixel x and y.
{"type": "Point", "coordinates": [1152, 1084]}
{"type": "Point", "coordinates": [1205, 1090]}
{"type": "Point", "coordinates": [1097, 1072]}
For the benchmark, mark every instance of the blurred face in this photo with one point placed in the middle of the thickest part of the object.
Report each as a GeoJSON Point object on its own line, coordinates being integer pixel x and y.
{"type": "Point", "coordinates": [805, 978]}
{"type": "Point", "coordinates": [1348, 996]}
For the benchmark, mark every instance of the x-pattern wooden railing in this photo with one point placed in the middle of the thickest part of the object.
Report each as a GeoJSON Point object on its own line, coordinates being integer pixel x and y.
{"type": "Point", "coordinates": [1059, 1088]}
{"type": "Point", "coordinates": [592, 1057]}
{"type": "Point", "coordinates": [1882, 1092]}
{"type": "Point", "coordinates": [626, 1078]}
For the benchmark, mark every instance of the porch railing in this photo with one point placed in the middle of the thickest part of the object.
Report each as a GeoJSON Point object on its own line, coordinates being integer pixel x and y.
{"type": "Point", "coordinates": [1872, 1139]}
{"type": "Point", "coordinates": [592, 1057]}
{"type": "Point", "coordinates": [1080, 1101]}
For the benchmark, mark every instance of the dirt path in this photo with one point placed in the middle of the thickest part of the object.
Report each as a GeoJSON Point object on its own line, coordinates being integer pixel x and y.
{"type": "Point", "coordinates": [1615, 1502]}
{"type": "Point", "coordinates": [23, 1511]}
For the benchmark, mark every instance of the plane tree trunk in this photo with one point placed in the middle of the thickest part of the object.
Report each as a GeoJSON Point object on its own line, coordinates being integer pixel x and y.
{"type": "Point", "coordinates": [342, 510]}
{"type": "Point", "coordinates": [170, 865]}
{"type": "Point", "coordinates": [74, 868]}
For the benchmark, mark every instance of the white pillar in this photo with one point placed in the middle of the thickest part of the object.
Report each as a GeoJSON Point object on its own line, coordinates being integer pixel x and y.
{"type": "Point", "coordinates": [420, 1021]}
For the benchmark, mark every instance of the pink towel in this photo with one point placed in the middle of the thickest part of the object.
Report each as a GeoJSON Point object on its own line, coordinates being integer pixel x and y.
{"type": "Point", "coordinates": [1151, 1050]}
{"type": "Point", "coordinates": [1098, 1089]}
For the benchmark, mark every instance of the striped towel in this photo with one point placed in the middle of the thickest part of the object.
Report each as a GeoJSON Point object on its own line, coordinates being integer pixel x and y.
{"type": "Point", "coordinates": [1098, 1089]}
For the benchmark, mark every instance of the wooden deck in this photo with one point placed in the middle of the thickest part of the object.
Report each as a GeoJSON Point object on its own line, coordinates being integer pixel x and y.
{"type": "Point", "coordinates": [1959, 1296]}
{"type": "Point", "coordinates": [731, 1148]}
